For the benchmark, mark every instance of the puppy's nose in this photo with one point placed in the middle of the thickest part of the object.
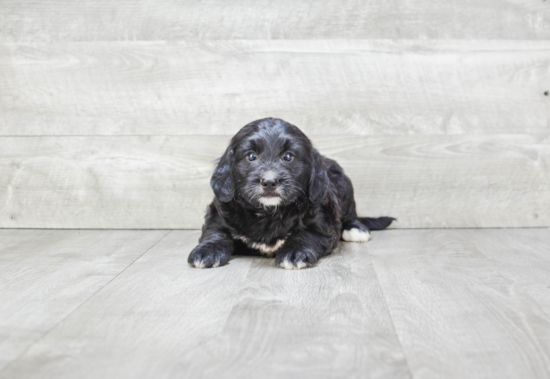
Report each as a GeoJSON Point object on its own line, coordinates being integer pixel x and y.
{"type": "Point", "coordinates": [269, 182]}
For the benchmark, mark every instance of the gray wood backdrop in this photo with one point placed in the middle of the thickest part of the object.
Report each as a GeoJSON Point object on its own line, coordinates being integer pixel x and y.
{"type": "Point", "coordinates": [113, 113]}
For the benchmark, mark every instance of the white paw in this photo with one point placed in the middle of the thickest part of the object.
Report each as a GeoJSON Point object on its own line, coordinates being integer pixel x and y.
{"type": "Point", "coordinates": [288, 265]}
{"type": "Point", "coordinates": [200, 264]}
{"type": "Point", "coordinates": [355, 235]}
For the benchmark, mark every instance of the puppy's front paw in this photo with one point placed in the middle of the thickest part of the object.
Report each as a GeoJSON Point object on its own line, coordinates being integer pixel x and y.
{"type": "Point", "coordinates": [296, 260]}
{"type": "Point", "coordinates": [208, 256]}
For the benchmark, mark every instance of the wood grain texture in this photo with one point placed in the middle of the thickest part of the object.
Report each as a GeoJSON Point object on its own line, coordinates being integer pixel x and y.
{"type": "Point", "coordinates": [358, 87]}
{"type": "Point", "coordinates": [522, 256]}
{"type": "Point", "coordinates": [329, 322]}
{"type": "Point", "coordinates": [449, 181]}
{"type": "Point", "coordinates": [460, 304]}
{"type": "Point", "coordinates": [16, 238]}
{"type": "Point", "coordinates": [148, 324]}
{"type": "Point", "coordinates": [114, 182]}
{"type": "Point", "coordinates": [459, 314]}
{"type": "Point", "coordinates": [47, 275]}
{"type": "Point", "coordinates": [161, 318]}
{"type": "Point", "coordinates": [163, 182]}
{"type": "Point", "coordinates": [50, 21]}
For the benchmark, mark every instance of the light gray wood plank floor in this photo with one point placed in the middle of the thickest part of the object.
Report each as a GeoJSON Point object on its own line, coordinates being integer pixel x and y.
{"type": "Point", "coordinates": [451, 303]}
{"type": "Point", "coordinates": [47, 274]}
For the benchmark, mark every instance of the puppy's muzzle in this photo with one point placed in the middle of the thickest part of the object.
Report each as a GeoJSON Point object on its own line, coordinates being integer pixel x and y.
{"type": "Point", "coordinates": [269, 183]}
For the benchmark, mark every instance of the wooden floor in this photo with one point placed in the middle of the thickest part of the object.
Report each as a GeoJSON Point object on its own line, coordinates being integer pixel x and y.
{"type": "Point", "coordinates": [448, 303]}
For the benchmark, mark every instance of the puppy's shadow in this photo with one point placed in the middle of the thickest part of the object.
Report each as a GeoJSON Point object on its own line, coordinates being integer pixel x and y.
{"type": "Point", "coordinates": [244, 251]}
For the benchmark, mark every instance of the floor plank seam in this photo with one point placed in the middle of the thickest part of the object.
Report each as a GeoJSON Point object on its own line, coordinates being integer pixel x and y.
{"type": "Point", "coordinates": [391, 317]}
{"type": "Point", "coordinates": [7, 366]}
{"type": "Point", "coordinates": [525, 294]}
{"type": "Point", "coordinates": [34, 239]}
{"type": "Point", "coordinates": [237, 299]}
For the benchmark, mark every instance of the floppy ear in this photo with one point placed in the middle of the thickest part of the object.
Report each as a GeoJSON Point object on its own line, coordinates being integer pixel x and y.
{"type": "Point", "coordinates": [318, 181]}
{"type": "Point", "coordinates": [222, 181]}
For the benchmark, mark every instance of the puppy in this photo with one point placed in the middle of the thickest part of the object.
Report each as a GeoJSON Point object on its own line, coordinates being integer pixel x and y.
{"type": "Point", "coordinates": [277, 196]}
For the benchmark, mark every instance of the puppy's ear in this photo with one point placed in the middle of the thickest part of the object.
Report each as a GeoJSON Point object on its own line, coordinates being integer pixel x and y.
{"type": "Point", "coordinates": [222, 181]}
{"type": "Point", "coordinates": [318, 181]}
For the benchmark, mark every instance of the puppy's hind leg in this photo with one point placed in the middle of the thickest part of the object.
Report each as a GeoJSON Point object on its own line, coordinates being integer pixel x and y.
{"type": "Point", "coordinates": [355, 231]}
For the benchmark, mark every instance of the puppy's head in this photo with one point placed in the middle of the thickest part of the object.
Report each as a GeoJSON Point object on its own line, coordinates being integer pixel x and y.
{"type": "Point", "coordinates": [270, 162]}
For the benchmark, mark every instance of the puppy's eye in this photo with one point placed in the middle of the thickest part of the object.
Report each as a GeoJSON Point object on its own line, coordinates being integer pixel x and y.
{"type": "Point", "coordinates": [288, 157]}
{"type": "Point", "coordinates": [251, 157]}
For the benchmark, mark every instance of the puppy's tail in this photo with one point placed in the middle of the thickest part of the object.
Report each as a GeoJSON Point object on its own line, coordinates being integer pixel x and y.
{"type": "Point", "coordinates": [376, 223]}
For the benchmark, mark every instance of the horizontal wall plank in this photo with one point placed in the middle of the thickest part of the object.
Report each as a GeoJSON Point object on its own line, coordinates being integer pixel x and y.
{"type": "Point", "coordinates": [162, 181]}
{"type": "Point", "coordinates": [355, 87]}
{"type": "Point", "coordinates": [106, 182]}
{"type": "Point", "coordinates": [47, 21]}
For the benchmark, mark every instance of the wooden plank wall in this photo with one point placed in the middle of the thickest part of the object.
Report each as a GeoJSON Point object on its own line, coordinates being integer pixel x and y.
{"type": "Point", "coordinates": [112, 113]}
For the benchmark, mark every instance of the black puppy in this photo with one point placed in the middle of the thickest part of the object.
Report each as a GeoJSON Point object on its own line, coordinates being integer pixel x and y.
{"type": "Point", "coordinates": [276, 195]}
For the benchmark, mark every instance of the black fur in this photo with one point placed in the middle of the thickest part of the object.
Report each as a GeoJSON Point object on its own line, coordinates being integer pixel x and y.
{"type": "Point", "coordinates": [316, 202]}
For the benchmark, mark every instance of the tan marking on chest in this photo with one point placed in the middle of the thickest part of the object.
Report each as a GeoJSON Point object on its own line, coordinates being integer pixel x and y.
{"type": "Point", "coordinates": [265, 249]}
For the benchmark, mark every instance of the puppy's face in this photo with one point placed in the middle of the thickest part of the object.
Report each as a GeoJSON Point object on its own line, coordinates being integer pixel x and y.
{"type": "Point", "coordinates": [268, 163]}
{"type": "Point", "coordinates": [271, 165]}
